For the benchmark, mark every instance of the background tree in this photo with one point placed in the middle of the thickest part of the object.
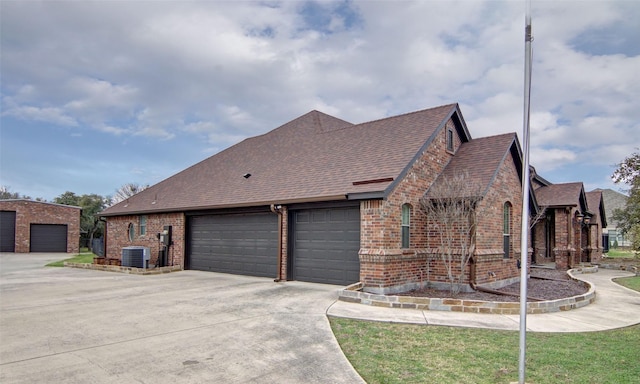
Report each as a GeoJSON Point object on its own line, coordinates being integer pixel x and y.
{"type": "Point", "coordinates": [90, 224]}
{"type": "Point", "coordinates": [628, 172]}
{"type": "Point", "coordinates": [126, 191]}
{"type": "Point", "coordinates": [6, 194]}
{"type": "Point", "coordinates": [451, 206]}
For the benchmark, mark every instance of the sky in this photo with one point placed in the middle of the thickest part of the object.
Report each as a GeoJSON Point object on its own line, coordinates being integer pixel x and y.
{"type": "Point", "coordinates": [95, 95]}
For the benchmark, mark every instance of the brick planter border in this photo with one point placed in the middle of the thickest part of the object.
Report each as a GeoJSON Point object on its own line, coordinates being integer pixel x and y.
{"type": "Point", "coordinates": [354, 294]}
{"type": "Point", "coordinates": [120, 269]}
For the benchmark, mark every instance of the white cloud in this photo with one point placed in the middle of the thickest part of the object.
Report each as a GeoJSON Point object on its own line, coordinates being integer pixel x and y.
{"type": "Point", "coordinates": [43, 114]}
{"type": "Point", "coordinates": [217, 72]}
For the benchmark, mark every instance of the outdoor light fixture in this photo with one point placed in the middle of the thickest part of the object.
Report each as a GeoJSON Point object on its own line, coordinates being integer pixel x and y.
{"type": "Point", "coordinates": [580, 218]}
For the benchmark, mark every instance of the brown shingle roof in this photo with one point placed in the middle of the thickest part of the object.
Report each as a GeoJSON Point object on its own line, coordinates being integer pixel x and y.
{"type": "Point", "coordinates": [561, 195]}
{"type": "Point", "coordinates": [314, 157]}
{"type": "Point", "coordinates": [479, 160]}
{"type": "Point", "coordinates": [595, 203]}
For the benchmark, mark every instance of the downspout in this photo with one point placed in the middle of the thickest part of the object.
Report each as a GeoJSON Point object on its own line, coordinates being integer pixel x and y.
{"type": "Point", "coordinates": [474, 285]}
{"type": "Point", "coordinates": [277, 209]}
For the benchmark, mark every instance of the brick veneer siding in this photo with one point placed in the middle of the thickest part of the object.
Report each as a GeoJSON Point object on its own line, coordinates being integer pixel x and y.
{"type": "Point", "coordinates": [492, 268]}
{"type": "Point", "coordinates": [596, 247]}
{"type": "Point", "coordinates": [565, 249]}
{"type": "Point", "coordinates": [34, 212]}
{"type": "Point", "coordinates": [284, 249]}
{"type": "Point", "coordinates": [539, 241]}
{"type": "Point", "coordinates": [118, 236]}
{"type": "Point", "coordinates": [385, 267]}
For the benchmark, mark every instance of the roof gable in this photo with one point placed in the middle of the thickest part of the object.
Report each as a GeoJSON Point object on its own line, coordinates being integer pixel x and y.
{"type": "Point", "coordinates": [481, 160]}
{"type": "Point", "coordinates": [562, 195]}
{"type": "Point", "coordinates": [312, 158]}
{"type": "Point", "coordinates": [595, 203]}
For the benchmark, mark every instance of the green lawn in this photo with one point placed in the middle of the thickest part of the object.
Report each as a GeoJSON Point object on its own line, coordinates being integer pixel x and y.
{"type": "Point", "coordinates": [619, 252]}
{"type": "Point", "coordinates": [86, 257]}
{"type": "Point", "coordinates": [401, 353]}
{"type": "Point", "coordinates": [632, 282]}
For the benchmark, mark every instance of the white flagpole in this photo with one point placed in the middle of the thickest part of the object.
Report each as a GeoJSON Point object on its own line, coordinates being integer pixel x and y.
{"type": "Point", "coordinates": [524, 247]}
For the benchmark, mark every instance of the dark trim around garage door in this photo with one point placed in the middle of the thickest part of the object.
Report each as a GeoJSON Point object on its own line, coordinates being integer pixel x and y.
{"type": "Point", "coordinates": [324, 243]}
{"type": "Point", "coordinates": [242, 243]}
{"type": "Point", "coordinates": [7, 231]}
{"type": "Point", "coordinates": [48, 238]}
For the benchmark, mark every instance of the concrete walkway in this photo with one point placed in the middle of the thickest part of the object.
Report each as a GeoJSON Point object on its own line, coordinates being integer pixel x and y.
{"type": "Point", "coordinates": [614, 307]}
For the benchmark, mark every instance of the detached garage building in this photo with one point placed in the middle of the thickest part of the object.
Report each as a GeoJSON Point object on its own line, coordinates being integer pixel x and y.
{"type": "Point", "coordinates": [34, 226]}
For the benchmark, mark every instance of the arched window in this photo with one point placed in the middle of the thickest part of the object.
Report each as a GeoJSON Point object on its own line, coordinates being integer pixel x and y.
{"type": "Point", "coordinates": [132, 232]}
{"type": "Point", "coordinates": [406, 217]}
{"type": "Point", "coordinates": [506, 230]}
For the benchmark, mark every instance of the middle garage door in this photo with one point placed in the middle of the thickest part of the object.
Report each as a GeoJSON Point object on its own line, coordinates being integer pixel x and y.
{"type": "Point", "coordinates": [242, 244]}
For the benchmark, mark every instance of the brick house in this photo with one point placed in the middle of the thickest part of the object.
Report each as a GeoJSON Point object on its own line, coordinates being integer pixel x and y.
{"type": "Point", "coordinates": [34, 226]}
{"type": "Point", "coordinates": [322, 200]}
{"type": "Point", "coordinates": [569, 229]}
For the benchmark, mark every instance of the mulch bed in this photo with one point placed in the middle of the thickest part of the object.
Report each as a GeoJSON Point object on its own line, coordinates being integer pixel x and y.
{"type": "Point", "coordinates": [545, 284]}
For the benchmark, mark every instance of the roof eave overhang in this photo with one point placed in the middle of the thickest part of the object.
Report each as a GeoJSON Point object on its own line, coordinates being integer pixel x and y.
{"type": "Point", "coordinates": [378, 195]}
{"type": "Point", "coordinates": [229, 206]}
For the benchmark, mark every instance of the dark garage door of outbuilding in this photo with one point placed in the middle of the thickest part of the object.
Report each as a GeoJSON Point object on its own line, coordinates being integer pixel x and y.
{"type": "Point", "coordinates": [325, 245]}
{"type": "Point", "coordinates": [242, 244]}
{"type": "Point", "coordinates": [48, 238]}
{"type": "Point", "coordinates": [7, 231]}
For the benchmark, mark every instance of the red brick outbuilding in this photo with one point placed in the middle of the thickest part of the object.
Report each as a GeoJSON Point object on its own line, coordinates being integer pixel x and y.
{"type": "Point", "coordinates": [35, 226]}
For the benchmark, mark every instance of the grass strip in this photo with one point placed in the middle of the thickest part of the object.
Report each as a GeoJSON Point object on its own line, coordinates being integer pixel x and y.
{"type": "Point", "coordinates": [620, 253]}
{"type": "Point", "coordinates": [79, 258]}
{"type": "Point", "coordinates": [401, 353]}
{"type": "Point", "coordinates": [631, 282]}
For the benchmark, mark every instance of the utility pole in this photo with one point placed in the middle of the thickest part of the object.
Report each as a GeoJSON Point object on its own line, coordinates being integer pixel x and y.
{"type": "Point", "coordinates": [524, 244]}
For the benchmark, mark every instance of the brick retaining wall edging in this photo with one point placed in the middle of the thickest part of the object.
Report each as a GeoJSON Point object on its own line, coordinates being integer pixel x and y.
{"type": "Point", "coordinates": [354, 294]}
{"type": "Point", "coordinates": [128, 270]}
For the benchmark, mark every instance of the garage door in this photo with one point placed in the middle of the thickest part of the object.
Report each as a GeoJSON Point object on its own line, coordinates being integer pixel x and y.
{"type": "Point", "coordinates": [7, 231]}
{"type": "Point", "coordinates": [48, 238]}
{"type": "Point", "coordinates": [325, 245]}
{"type": "Point", "coordinates": [243, 244]}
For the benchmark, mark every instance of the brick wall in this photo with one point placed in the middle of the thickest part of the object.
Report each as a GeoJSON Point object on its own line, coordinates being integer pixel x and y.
{"type": "Point", "coordinates": [596, 246]}
{"type": "Point", "coordinates": [117, 236]}
{"type": "Point", "coordinates": [384, 264]}
{"type": "Point", "coordinates": [284, 255]}
{"type": "Point", "coordinates": [491, 266]}
{"type": "Point", "coordinates": [34, 212]}
{"type": "Point", "coordinates": [385, 267]}
{"type": "Point", "coordinates": [564, 250]}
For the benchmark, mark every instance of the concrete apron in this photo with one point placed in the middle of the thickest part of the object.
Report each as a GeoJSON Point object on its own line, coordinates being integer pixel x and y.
{"type": "Point", "coordinates": [78, 326]}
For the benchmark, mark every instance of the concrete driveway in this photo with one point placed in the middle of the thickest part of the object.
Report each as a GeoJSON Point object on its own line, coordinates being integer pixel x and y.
{"type": "Point", "coordinates": [83, 326]}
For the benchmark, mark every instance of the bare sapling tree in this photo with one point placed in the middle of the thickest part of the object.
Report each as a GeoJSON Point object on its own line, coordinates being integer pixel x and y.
{"type": "Point", "coordinates": [451, 206]}
{"type": "Point", "coordinates": [126, 191]}
{"type": "Point", "coordinates": [540, 215]}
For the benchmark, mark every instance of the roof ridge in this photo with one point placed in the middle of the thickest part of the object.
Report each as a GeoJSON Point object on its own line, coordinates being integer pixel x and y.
{"type": "Point", "coordinates": [406, 114]}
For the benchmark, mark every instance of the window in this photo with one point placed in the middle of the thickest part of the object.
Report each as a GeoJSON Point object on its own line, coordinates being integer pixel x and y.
{"type": "Point", "coordinates": [406, 216]}
{"type": "Point", "coordinates": [143, 225]}
{"type": "Point", "coordinates": [132, 232]}
{"type": "Point", "coordinates": [506, 230]}
{"type": "Point", "coordinates": [450, 139]}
